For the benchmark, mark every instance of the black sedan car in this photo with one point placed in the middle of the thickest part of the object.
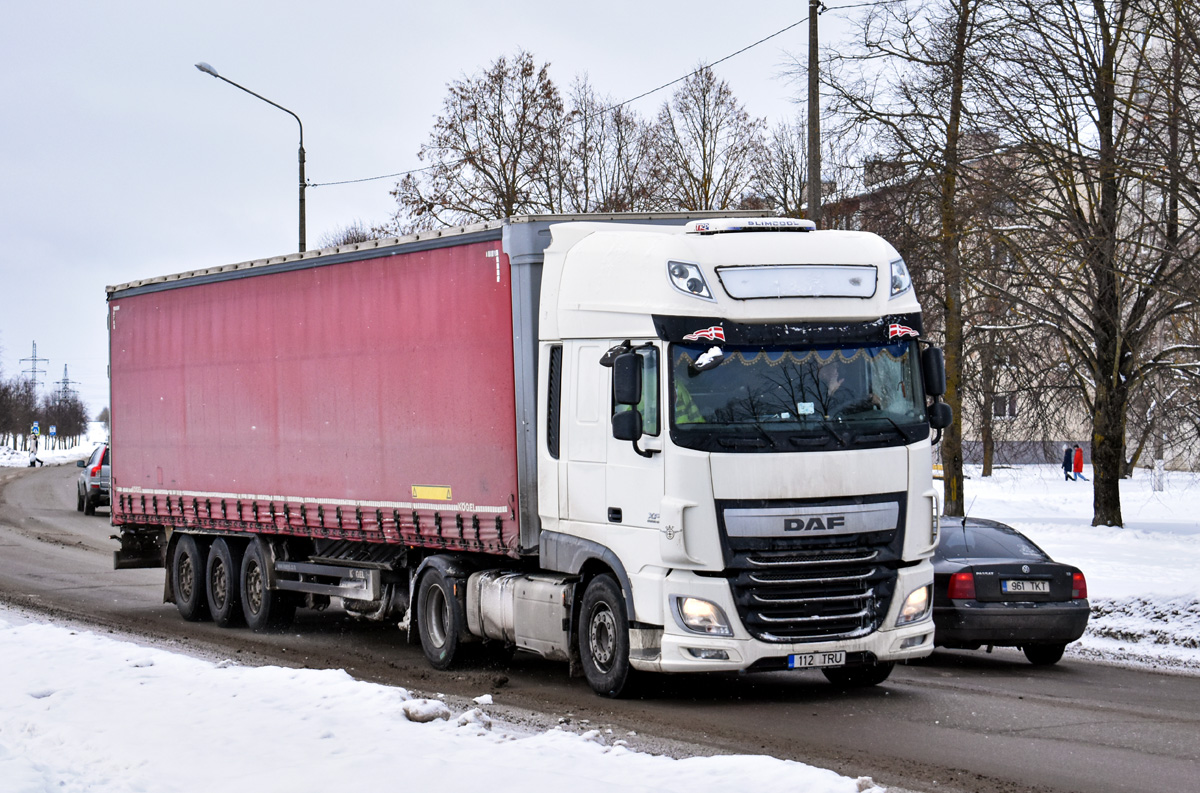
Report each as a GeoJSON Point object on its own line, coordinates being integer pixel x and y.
{"type": "Point", "coordinates": [993, 587]}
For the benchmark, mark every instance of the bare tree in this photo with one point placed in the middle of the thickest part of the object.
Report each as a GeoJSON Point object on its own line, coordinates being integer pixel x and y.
{"type": "Point", "coordinates": [909, 91]}
{"type": "Point", "coordinates": [706, 145]}
{"type": "Point", "coordinates": [605, 155]}
{"type": "Point", "coordinates": [488, 150]}
{"type": "Point", "coordinates": [350, 234]}
{"type": "Point", "coordinates": [1102, 259]}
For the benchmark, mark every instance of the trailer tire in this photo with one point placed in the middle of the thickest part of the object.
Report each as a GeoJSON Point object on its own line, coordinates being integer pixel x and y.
{"type": "Point", "coordinates": [187, 578]}
{"type": "Point", "coordinates": [604, 637]}
{"type": "Point", "coordinates": [265, 609]}
{"type": "Point", "coordinates": [223, 575]}
{"type": "Point", "coordinates": [858, 676]}
{"type": "Point", "coordinates": [440, 618]}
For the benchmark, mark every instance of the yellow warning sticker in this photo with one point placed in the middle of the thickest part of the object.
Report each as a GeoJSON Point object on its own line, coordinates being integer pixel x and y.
{"type": "Point", "coordinates": [431, 492]}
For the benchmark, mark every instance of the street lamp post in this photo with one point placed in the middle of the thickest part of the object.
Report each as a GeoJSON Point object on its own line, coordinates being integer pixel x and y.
{"type": "Point", "coordinates": [204, 67]}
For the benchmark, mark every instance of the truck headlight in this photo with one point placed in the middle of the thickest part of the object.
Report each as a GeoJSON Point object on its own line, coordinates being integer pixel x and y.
{"type": "Point", "coordinates": [701, 616]}
{"type": "Point", "coordinates": [689, 279]}
{"type": "Point", "coordinates": [901, 279]}
{"type": "Point", "coordinates": [915, 607]}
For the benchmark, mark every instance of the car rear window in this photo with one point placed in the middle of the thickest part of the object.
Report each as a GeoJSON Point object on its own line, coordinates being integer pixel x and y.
{"type": "Point", "coordinates": [987, 542]}
{"type": "Point", "coordinates": [106, 452]}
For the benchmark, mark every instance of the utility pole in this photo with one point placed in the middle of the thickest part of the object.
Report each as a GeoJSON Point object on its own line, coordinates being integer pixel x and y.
{"type": "Point", "coordinates": [814, 117]}
{"type": "Point", "coordinates": [33, 366]}
{"type": "Point", "coordinates": [64, 385]}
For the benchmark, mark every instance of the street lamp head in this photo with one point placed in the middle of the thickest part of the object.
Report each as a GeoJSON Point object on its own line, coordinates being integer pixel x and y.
{"type": "Point", "coordinates": [204, 67]}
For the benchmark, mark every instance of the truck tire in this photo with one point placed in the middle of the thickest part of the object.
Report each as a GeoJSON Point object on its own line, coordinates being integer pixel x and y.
{"type": "Point", "coordinates": [858, 676]}
{"type": "Point", "coordinates": [440, 618]}
{"type": "Point", "coordinates": [265, 609]}
{"type": "Point", "coordinates": [1044, 654]}
{"type": "Point", "coordinates": [223, 576]}
{"type": "Point", "coordinates": [604, 637]}
{"type": "Point", "coordinates": [187, 578]}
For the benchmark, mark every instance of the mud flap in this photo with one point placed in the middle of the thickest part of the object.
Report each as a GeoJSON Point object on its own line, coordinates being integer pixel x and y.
{"type": "Point", "coordinates": [140, 549]}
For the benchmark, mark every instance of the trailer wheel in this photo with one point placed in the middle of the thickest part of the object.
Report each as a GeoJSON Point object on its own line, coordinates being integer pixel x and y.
{"type": "Point", "coordinates": [858, 676]}
{"type": "Point", "coordinates": [222, 580]}
{"type": "Point", "coordinates": [187, 578]}
{"type": "Point", "coordinates": [265, 609]}
{"type": "Point", "coordinates": [604, 637]}
{"type": "Point", "coordinates": [440, 619]}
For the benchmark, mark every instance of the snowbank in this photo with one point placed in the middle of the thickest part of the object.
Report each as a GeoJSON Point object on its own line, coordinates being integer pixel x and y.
{"type": "Point", "coordinates": [81, 712]}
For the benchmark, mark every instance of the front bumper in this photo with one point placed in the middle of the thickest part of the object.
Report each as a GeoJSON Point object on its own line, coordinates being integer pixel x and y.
{"type": "Point", "coordinates": [970, 623]}
{"type": "Point", "coordinates": [678, 649]}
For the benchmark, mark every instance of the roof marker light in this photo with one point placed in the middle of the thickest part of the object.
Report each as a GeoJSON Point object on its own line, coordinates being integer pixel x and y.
{"type": "Point", "coordinates": [729, 225]}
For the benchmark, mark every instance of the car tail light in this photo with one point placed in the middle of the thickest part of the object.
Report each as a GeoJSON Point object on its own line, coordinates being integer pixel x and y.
{"type": "Point", "coordinates": [1078, 587]}
{"type": "Point", "coordinates": [962, 586]}
{"type": "Point", "coordinates": [96, 469]}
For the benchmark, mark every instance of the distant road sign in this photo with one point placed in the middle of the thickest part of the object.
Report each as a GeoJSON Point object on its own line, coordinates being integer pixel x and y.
{"type": "Point", "coordinates": [36, 431]}
{"type": "Point", "coordinates": [53, 430]}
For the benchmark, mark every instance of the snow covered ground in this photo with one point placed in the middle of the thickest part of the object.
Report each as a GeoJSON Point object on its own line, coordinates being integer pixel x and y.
{"type": "Point", "coordinates": [81, 712]}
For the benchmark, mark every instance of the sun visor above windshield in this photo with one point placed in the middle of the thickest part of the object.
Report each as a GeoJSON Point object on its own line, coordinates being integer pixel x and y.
{"type": "Point", "coordinates": [884, 330]}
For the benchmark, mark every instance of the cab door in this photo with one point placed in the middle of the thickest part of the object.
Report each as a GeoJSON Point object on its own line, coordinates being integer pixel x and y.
{"type": "Point", "coordinates": [634, 481]}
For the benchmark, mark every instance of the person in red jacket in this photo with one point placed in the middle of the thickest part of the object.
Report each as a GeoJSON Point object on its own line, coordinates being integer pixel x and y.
{"type": "Point", "coordinates": [1079, 464]}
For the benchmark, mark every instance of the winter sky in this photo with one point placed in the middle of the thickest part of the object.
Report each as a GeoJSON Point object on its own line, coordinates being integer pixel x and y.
{"type": "Point", "coordinates": [119, 160]}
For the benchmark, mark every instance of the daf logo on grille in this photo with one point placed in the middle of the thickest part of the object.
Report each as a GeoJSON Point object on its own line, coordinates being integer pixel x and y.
{"type": "Point", "coordinates": [815, 523]}
{"type": "Point", "coordinates": [1024, 568]}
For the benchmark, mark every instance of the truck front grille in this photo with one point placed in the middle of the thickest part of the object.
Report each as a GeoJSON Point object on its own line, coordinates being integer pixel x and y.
{"type": "Point", "coordinates": [816, 597]}
{"type": "Point", "coordinates": [794, 589]}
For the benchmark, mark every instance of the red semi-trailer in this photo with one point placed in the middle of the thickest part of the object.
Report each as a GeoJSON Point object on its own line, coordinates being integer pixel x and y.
{"type": "Point", "coordinates": [665, 443]}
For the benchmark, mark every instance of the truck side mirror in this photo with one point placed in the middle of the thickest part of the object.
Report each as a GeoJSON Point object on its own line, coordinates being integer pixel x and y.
{"type": "Point", "coordinates": [941, 415]}
{"type": "Point", "coordinates": [627, 425]}
{"type": "Point", "coordinates": [933, 371]}
{"type": "Point", "coordinates": [627, 379]}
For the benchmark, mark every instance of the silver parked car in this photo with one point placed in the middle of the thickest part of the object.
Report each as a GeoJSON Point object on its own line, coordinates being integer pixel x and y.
{"type": "Point", "coordinates": [93, 481]}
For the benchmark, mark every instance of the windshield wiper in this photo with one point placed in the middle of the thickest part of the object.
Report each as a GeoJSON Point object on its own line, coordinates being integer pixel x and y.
{"type": "Point", "coordinates": [899, 428]}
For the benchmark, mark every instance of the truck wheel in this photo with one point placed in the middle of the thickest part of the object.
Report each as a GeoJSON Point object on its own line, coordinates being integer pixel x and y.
{"type": "Point", "coordinates": [187, 578]}
{"type": "Point", "coordinates": [89, 505]}
{"type": "Point", "coordinates": [1044, 654]}
{"type": "Point", "coordinates": [79, 504]}
{"type": "Point", "coordinates": [604, 637]}
{"type": "Point", "coordinates": [858, 676]}
{"type": "Point", "coordinates": [265, 609]}
{"type": "Point", "coordinates": [440, 619]}
{"type": "Point", "coordinates": [222, 577]}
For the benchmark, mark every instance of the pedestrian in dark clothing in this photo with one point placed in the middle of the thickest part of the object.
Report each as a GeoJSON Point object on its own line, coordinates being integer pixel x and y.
{"type": "Point", "coordinates": [1078, 466]}
{"type": "Point", "coordinates": [1068, 460]}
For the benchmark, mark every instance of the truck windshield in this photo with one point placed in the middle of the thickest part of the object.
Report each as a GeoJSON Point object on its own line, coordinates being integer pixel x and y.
{"type": "Point", "coordinates": [797, 398]}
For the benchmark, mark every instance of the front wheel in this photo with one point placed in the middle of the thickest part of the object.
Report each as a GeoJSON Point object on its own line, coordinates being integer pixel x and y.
{"type": "Point", "coordinates": [440, 619]}
{"type": "Point", "coordinates": [1044, 654]}
{"type": "Point", "coordinates": [604, 637]}
{"type": "Point", "coordinates": [858, 676]}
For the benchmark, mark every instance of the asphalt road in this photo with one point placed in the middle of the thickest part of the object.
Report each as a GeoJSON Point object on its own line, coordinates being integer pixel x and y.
{"type": "Point", "coordinates": [958, 721]}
